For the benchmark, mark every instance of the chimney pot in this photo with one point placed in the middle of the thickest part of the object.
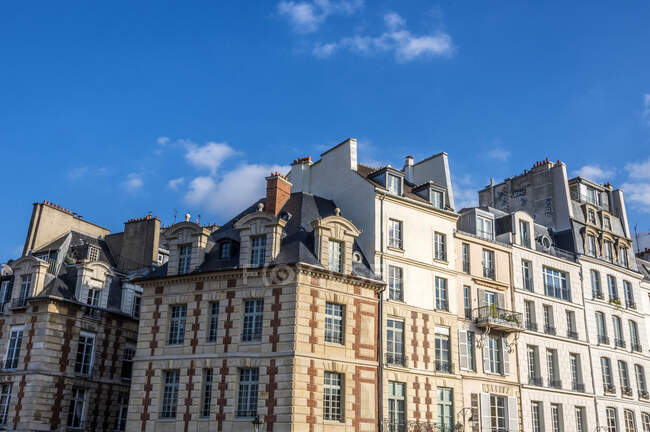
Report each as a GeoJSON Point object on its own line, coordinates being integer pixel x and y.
{"type": "Point", "coordinates": [278, 190]}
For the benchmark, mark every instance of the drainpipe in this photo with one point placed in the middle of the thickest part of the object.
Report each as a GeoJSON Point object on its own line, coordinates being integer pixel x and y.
{"type": "Point", "coordinates": [380, 339]}
{"type": "Point", "coordinates": [591, 363]}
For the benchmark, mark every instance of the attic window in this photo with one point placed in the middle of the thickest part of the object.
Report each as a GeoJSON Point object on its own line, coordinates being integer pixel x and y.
{"type": "Point", "coordinates": [225, 250]}
{"type": "Point", "coordinates": [335, 257]}
{"type": "Point", "coordinates": [437, 199]}
{"type": "Point", "coordinates": [394, 184]}
{"type": "Point", "coordinates": [93, 254]}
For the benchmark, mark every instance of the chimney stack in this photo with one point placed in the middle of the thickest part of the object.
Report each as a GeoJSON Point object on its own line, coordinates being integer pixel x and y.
{"type": "Point", "coordinates": [278, 190]}
{"type": "Point", "coordinates": [408, 168]}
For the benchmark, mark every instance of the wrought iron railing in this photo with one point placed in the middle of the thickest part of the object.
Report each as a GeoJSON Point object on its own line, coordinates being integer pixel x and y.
{"type": "Point", "coordinates": [536, 381]}
{"type": "Point", "coordinates": [550, 330]}
{"type": "Point", "coordinates": [619, 343]}
{"type": "Point", "coordinates": [495, 314]}
{"type": "Point", "coordinates": [396, 359]}
{"type": "Point", "coordinates": [603, 340]}
{"type": "Point", "coordinates": [555, 383]}
{"type": "Point", "coordinates": [578, 387]}
{"type": "Point", "coordinates": [637, 347]}
{"type": "Point", "coordinates": [444, 366]}
{"type": "Point", "coordinates": [20, 302]}
{"type": "Point", "coordinates": [572, 334]}
{"type": "Point", "coordinates": [530, 325]}
{"type": "Point", "coordinates": [390, 425]}
{"type": "Point", "coordinates": [609, 388]}
{"type": "Point", "coordinates": [488, 272]}
{"type": "Point", "coordinates": [627, 391]}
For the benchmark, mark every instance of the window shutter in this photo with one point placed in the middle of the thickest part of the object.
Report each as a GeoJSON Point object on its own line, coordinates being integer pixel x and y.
{"type": "Point", "coordinates": [501, 299]}
{"type": "Point", "coordinates": [513, 415]}
{"type": "Point", "coordinates": [462, 350]}
{"type": "Point", "coordinates": [486, 355]}
{"type": "Point", "coordinates": [486, 420]}
{"type": "Point", "coordinates": [480, 297]}
{"type": "Point", "coordinates": [506, 357]}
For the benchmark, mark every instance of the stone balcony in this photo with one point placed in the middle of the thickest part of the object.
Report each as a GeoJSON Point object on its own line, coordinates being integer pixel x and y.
{"type": "Point", "coordinates": [498, 319]}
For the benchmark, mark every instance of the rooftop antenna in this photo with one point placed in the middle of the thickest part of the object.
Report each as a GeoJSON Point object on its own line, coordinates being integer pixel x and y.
{"type": "Point", "coordinates": [175, 214]}
{"type": "Point", "coordinates": [198, 218]}
{"type": "Point", "coordinates": [636, 234]}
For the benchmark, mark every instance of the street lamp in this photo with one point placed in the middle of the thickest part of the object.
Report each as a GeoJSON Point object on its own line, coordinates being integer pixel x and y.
{"type": "Point", "coordinates": [460, 415]}
{"type": "Point", "coordinates": [257, 424]}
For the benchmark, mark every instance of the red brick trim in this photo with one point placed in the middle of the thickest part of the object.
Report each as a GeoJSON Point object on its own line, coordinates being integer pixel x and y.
{"type": "Point", "coordinates": [427, 399]}
{"type": "Point", "coordinates": [155, 329]}
{"type": "Point", "coordinates": [313, 323]}
{"type": "Point", "coordinates": [60, 383]}
{"type": "Point", "coordinates": [311, 402]}
{"type": "Point", "coordinates": [271, 402]}
{"type": "Point", "coordinates": [19, 403]}
{"type": "Point", "coordinates": [414, 340]}
{"type": "Point", "coordinates": [198, 286]}
{"type": "Point", "coordinates": [146, 402]}
{"type": "Point", "coordinates": [227, 325]}
{"type": "Point", "coordinates": [275, 322]}
{"type": "Point", "coordinates": [195, 327]}
{"type": "Point", "coordinates": [232, 283]}
{"type": "Point", "coordinates": [221, 402]}
{"type": "Point", "coordinates": [188, 400]}
{"type": "Point", "coordinates": [104, 353]}
{"type": "Point", "coordinates": [158, 290]}
{"type": "Point", "coordinates": [416, 398]}
{"type": "Point", "coordinates": [107, 410]}
{"type": "Point", "coordinates": [30, 344]}
{"type": "Point", "coordinates": [357, 316]}
{"type": "Point", "coordinates": [356, 406]}
{"type": "Point", "coordinates": [425, 344]}
{"type": "Point", "coordinates": [114, 357]}
{"type": "Point", "coordinates": [98, 395]}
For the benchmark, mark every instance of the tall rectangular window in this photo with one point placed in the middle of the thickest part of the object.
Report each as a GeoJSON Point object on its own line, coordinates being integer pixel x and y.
{"type": "Point", "coordinates": [484, 228]}
{"type": "Point", "coordinates": [85, 350]}
{"type": "Point", "coordinates": [623, 258]}
{"type": "Point", "coordinates": [524, 233]}
{"type": "Point", "coordinates": [127, 362]}
{"type": "Point", "coordinates": [335, 256]}
{"type": "Point", "coordinates": [395, 342]}
{"type": "Point", "coordinates": [394, 184]}
{"type": "Point", "coordinates": [549, 321]}
{"type": "Point", "coordinates": [445, 409]}
{"type": "Point", "coordinates": [630, 421]}
{"type": "Point", "coordinates": [93, 297]}
{"type": "Point", "coordinates": [556, 418]}
{"type": "Point", "coordinates": [396, 407]}
{"type": "Point", "coordinates": [471, 354]}
{"type": "Point", "coordinates": [529, 315]}
{"type": "Point", "coordinates": [596, 290]}
{"type": "Point", "coordinates": [494, 355]}
{"type": "Point", "coordinates": [629, 295]}
{"type": "Point", "coordinates": [645, 419]}
{"type": "Point", "coordinates": [612, 419]}
{"type": "Point", "coordinates": [443, 363]}
{"type": "Point", "coordinates": [536, 416]}
{"type": "Point", "coordinates": [601, 328]}
{"type": "Point", "coordinates": [13, 347]}
{"type": "Point", "coordinates": [395, 234]}
{"type": "Point", "coordinates": [581, 419]}
{"type": "Point", "coordinates": [527, 275]}
{"type": "Point", "coordinates": [624, 377]}
{"type": "Point", "coordinates": [571, 324]}
{"type": "Point", "coordinates": [608, 251]}
{"type": "Point", "coordinates": [440, 246]}
{"type": "Point", "coordinates": [606, 369]}
{"type": "Point", "coordinates": [591, 245]}
{"type": "Point", "coordinates": [467, 301]}
{"type": "Point", "coordinates": [442, 300]}
{"type": "Point", "coordinates": [226, 250]}
{"type": "Point", "coordinates": [258, 250]}
{"type": "Point", "coordinates": [76, 411]}
{"type": "Point", "coordinates": [206, 392]}
{"type": "Point", "coordinates": [248, 388]}
{"type": "Point", "coordinates": [253, 314]}
{"type": "Point", "coordinates": [395, 283]}
{"type": "Point", "coordinates": [169, 404]}
{"type": "Point", "coordinates": [137, 304]}
{"type": "Point", "coordinates": [184, 259]}
{"type": "Point", "coordinates": [93, 253]}
{"type": "Point", "coordinates": [555, 284]}
{"type": "Point", "coordinates": [437, 199]}
{"type": "Point", "coordinates": [122, 411]}
{"type": "Point", "coordinates": [333, 397]}
{"type": "Point", "coordinates": [213, 322]}
{"type": "Point", "coordinates": [640, 380]}
{"type": "Point", "coordinates": [619, 341]}
{"type": "Point", "coordinates": [576, 372]}
{"type": "Point", "coordinates": [177, 317]}
{"type": "Point", "coordinates": [533, 365]}
{"type": "Point", "coordinates": [498, 413]}
{"type": "Point", "coordinates": [553, 369]}
{"type": "Point", "coordinates": [611, 287]}
{"type": "Point", "coordinates": [4, 292]}
{"type": "Point", "coordinates": [334, 327]}
{"type": "Point", "coordinates": [5, 400]}
{"type": "Point", "coordinates": [25, 287]}
{"type": "Point", "coordinates": [488, 264]}
{"type": "Point", "coordinates": [465, 249]}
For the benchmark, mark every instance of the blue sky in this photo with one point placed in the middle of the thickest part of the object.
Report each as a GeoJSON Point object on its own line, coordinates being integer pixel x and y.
{"type": "Point", "coordinates": [120, 108]}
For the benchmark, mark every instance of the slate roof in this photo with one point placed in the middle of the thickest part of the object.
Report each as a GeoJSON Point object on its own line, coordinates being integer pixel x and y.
{"type": "Point", "coordinates": [365, 171]}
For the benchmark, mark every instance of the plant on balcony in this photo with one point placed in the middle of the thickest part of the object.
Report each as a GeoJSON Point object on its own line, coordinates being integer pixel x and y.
{"type": "Point", "coordinates": [627, 391]}
{"type": "Point", "coordinates": [643, 394]}
{"type": "Point", "coordinates": [493, 311]}
{"type": "Point", "coordinates": [609, 388]}
{"type": "Point", "coordinates": [599, 295]}
{"type": "Point", "coordinates": [513, 319]}
{"type": "Point", "coordinates": [616, 302]}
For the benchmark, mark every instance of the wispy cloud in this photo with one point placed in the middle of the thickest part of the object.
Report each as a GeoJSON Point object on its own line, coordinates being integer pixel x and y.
{"type": "Point", "coordinates": [498, 152]}
{"type": "Point", "coordinates": [465, 192]}
{"type": "Point", "coordinates": [638, 194]}
{"type": "Point", "coordinates": [208, 156]}
{"type": "Point", "coordinates": [638, 170]}
{"type": "Point", "coordinates": [175, 183]}
{"type": "Point", "coordinates": [646, 106]}
{"type": "Point", "coordinates": [85, 171]}
{"type": "Point", "coordinates": [397, 39]}
{"type": "Point", "coordinates": [594, 172]}
{"type": "Point", "coordinates": [307, 16]}
{"type": "Point", "coordinates": [133, 182]}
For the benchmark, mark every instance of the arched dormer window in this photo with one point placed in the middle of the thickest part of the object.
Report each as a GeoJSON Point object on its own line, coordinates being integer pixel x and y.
{"type": "Point", "coordinates": [187, 240]}
{"type": "Point", "coordinates": [334, 241]}
{"type": "Point", "coordinates": [260, 235]}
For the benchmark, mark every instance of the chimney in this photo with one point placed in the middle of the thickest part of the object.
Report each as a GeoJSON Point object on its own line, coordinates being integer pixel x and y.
{"type": "Point", "coordinates": [278, 190]}
{"type": "Point", "coordinates": [408, 168]}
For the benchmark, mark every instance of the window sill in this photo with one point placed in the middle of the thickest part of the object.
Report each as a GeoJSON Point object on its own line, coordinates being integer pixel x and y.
{"type": "Point", "coordinates": [441, 261]}
{"type": "Point", "coordinates": [395, 249]}
{"type": "Point", "coordinates": [255, 342]}
{"type": "Point", "coordinates": [335, 344]}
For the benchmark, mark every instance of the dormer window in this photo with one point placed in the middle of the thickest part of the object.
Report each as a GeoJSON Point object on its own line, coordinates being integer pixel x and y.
{"type": "Point", "coordinates": [394, 184]}
{"type": "Point", "coordinates": [592, 217]}
{"type": "Point", "coordinates": [607, 223]}
{"type": "Point", "coordinates": [93, 254]}
{"type": "Point", "coordinates": [93, 297]}
{"type": "Point", "coordinates": [484, 228]}
{"type": "Point", "coordinates": [225, 251]}
{"type": "Point", "coordinates": [437, 199]}
{"type": "Point", "coordinates": [25, 287]}
{"type": "Point", "coordinates": [623, 256]}
{"type": "Point", "coordinates": [335, 256]}
{"type": "Point", "coordinates": [591, 245]}
{"type": "Point", "coordinates": [184, 259]}
{"type": "Point", "coordinates": [607, 250]}
{"type": "Point", "coordinates": [258, 250]}
{"type": "Point", "coordinates": [524, 233]}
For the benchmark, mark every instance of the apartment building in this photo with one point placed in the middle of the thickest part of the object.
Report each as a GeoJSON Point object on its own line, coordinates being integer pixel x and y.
{"type": "Point", "coordinates": [69, 322]}
{"type": "Point", "coordinates": [590, 221]}
{"type": "Point", "coordinates": [268, 322]}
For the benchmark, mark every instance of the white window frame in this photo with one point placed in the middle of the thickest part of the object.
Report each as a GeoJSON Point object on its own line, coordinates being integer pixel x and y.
{"type": "Point", "coordinates": [258, 250]}
{"type": "Point", "coordinates": [213, 322]}
{"type": "Point", "coordinates": [253, 320]}
{"type": "Point", "coordinates": [5, 401]}
{"type": "Point", "coordinates": [442, 293]}
{"type": "Point", "coordinates": [485, 228]}
{"type": "Point", "coordinates": [12, 355]}
{"type": "Point", "coordinates": [76, 414]}
{"type": "Point", "coordinates": [334, 323]}
{"type": "Point", "coordinates": [177, 323]}
{"type": "Point", "coordinates": [333, 401]}
{"type": "Point", "coordinates": [439, 246]}
{"type": "Point", "coordinates": [395, 341]}
{"type": "Point", "coordinates": [247, 395]}
{"type": "Point", "coordinates": [394, 184]}
{"type": "Point", "coordinates": [122, 412]}
{"type": "Point", "coordinates": [396, 406]}
{"type": "Point", "coordinates": [206, 392]}
{"type": "Point", "coordinates": [184, 258]}
{"type": "Point", "coordinates": [169, 397]}
{"type": "Point", "coordinates": [395, 283]}
{"type": "Point", "coordinates": [335, 255]}
{"type": "Point", "coordinates": [395, 234]}
{"type": "Point", "coordinates": [85, 353]}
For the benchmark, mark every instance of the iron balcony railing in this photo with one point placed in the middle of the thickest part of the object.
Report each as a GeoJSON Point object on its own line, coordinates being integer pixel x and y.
{"type": "Point", "coordinates": [627, 391]}
{"type": "Point", "coordinates": [619, 343]}
{"type": "Point", "coordinates": [396, 359]}
{"type": "Point", "coordinates": [493, 315]}
{"type": "Point", "coordinates": [603, 340]}
{"type": "Point", "coordinates": [578, 387]}
{"type": "Point", "coordinates": [93, 313]}
{"type": "Point", "coordinates": [643, 394]}
{"type": "Point", "coordinates": [444, 366]}
{"type": "Point", "coordinates": [555, 383]}
{"type": "Point", "coordinates": [488, 272]}
{"type": "Point", "coordinates": [536, 381]}
{"type": "Point", "coordinates": [550, 330]}
{"type": "Point", "coordinates": [609, 388]}
{"type": "Point", "coordinates": [394, 425]}
{"type": "Point", "coordinates": [530, 325]}
{"type": "Point", "coordinates": [572, 334]}
{"type": "Point", "coordinates": [20, 302]}
{"type": "Point", "coordinates": [637, 347]}
{"type": "Point", "coordinates": [528, 284]}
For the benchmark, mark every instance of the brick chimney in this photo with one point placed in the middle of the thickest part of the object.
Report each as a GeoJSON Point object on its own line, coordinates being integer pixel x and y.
{"type": "Point", "coordinates": [278, 190]}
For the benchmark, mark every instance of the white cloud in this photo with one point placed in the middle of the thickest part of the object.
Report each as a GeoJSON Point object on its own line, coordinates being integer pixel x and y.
{"type": "Point", "coordinates": [465, 194]}
{"type": "Point", "coordinates": [234, 191]}
{"type": "Point", "coordinates": [307, 16]}
{"type": "Point", "coordinates": [594, 172]}
{"type": "Point", "coordinates": [397, 39]}
{"type": "Point", "coordinates": [639, 170]}
{"type": "Point", "coordinates": [133, 182]}
{"type": "Point", "coordinates": [175, 183]}
{"type": "Point", "coordinates": [498, 153]}
{"type": "Point", "coordinates": [163, 140]}
{"type": "Point", "coordinates": [208, 156]}
{"type": "Point", "coordinates": [638, 194]}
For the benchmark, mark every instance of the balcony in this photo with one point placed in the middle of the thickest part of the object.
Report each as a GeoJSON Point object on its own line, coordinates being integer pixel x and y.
{"type": "Point", "coordinates": [643, 394]}
{"type": "Point", "coordinates": [578, 387]}
{"type": "Point", "coordinates": [627, 391]}
{"type": "Point", "coordinates": [609, 388]}
{"type": "Point", "coordinates": [620, 343]}
{"type": "Point", "coordinates": [603, 340]}
{"type": "Point", "coordinates": [637, 347]}
{"type": "Point", "coordinates": [19, 303]}
{"type": "Point", "coordinates": [93, 313]}
{"type": "Point", "coordinates": [444, 366]}
{"type": "Point", "coordinates": [532, 326]}
{"type": "Point", "coordinates": [571, 334]}
{"type": "Point", "coordinates": [396, 359]}
{"type": "Point", "coordinates": [549, 330]}
{"type": "Point", "coordinates": [555, 383]}
{"type": "Point", "coordinates": [498, 319]}
{"type": "Point", "coordinates": [536, 381]}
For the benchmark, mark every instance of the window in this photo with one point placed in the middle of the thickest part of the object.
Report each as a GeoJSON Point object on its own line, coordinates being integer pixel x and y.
{"type": "Point", "coordinates": [526, 275]}
{"type": "Point", "coordinates": [76, 411]}
{"type": "Point", "coordinates": [4, 292]}
{"type": "Point", "coordinates": [555, 284]}
{"type": "Point", "coordinates": [445, 409]}
{"type": "Point", "coordinates": [524, 233]}
{"type": "Point", "coordinates": [618, 332]}
{"type": "Point", "coordinates": [396, 407]}
{"type": "Point", "coordinates": [576, 372]}
{"type": "Point", "coordinates": [571, 324]}
{"type": "Point", "coordinates": [437, 199]}
{"type": "Point", "coordinates": [93, 254]}
{"type": "Point", "coordinates": [395, 283]}
{"type": "Point", "coordinates": [253, 314]}
{"type": "Point", "coordinates": [494, 354]}
{"type": "Point", "coordinates": [484, 228]}
{"type": "Point", "coordinates": [122, 411]}
{"type": "Point", "coordinates": [549, 321]}
{"type": "Point", "coordinates": [25, 287]}
{"type": "Point", "coordinates": [553, 369]}
{"type": "Point", "coordinates": [591, 245]}
{"type": "Point", "coordinates": [395, 342]}
{"type": "Point", "coordinates": [623, 257]}
{"type": "Point", "coordinates": [206, 392]}
{"type": "Point", "coordinates": [592, 217]}
{"type": "Point", "coordinates": [184, 259]}
{"type": "Point", "coordinates": [177, 318]}
{"type": "Point", "coordinates": [226, 250]}
{"type": "Point", "coordinates": [611, 287]}
{"type": "Point", "coordinates": [395, 234]}
{"type": "Point", "coordinates": [442, 302]}
{"type": "Point", "coordinates": [529, 315]}
{"type": "Point", "coordinates": [596, 291]}
{"type": "Point", "coordinates": [127, 363]}
{"type": "Point", "coordinates": [85, 349]}
{"type": "Point", "coordinates": [556, 418]}
{"type": "Point", "coordinates": [607, 223]}
{"type": "Point", "coordinates": [490, 298]}
{"type": "Point", "coordinates": [334, 329]}
{"type": "Point", "coordinates": [213, 325]}
{"type": "Point", "coordinates": [93, 297]}
{"type": "Point", "coordinates": [170, 394]}
{"type": "Point", "coordinates": [443, 363]}
{"type": "Point", "coordinates": [536, 416]}
{"type": "Point", "coordinates": [335, 256]}
{"type": "Point", "coordinates": [466, 350]}
{"type": "Point", "coordinates": [581, 419]}
{"type": "Point", "coordinates": [624, 377]}
{"type": "Point", "coordinates": [466, 267]}
{"type": "Point", "coordinates": [645, 419]}
{"type": "Point", "coordinates": [333, 397]}
{"type": "Point", "coordinates": [467, 301]}
{"type": "Point", "coordinates": [5, 400]}
{"type": "Point", "coordinates": [601, 328]}
{"type": "Point", "coordinates": [498, 413]}
{"type": "Point", "coordinates": [606, 369]}
{"type": "Point", "coordinates": [607, 251]}
{"type": "Point", "coordinates": [394, 184]}
{"type": "Point", "coordinates": [13, 347]}
{"type": "Point", "coordinates": [137, 304]}
{"type": "Point", "coordinates": [629, 295]}
{"type": "Point", "coordinates": [612, 420]}
{"type": "Point", "coordinates": [439, 246]}
{"type": "Point", "coordinates": [488, 264]}
{"type": "Point", "coordinates": [248, 386]}
{"type": "Point", "coordinates": [532, 353]}
{"type": "Point", "coordinates": [640, 380]}
{"type": "Point", "coordinates": [258, 250]}
{"type": "Point", "coordinates": [630, 422]}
